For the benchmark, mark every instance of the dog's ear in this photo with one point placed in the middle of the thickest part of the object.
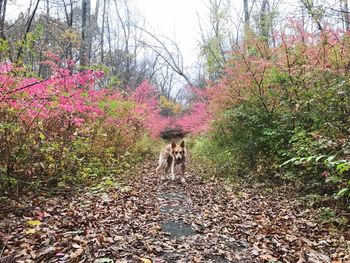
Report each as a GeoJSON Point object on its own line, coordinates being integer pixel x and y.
{"type": "Point", "coordinates": [173, 145]}
{"type": "Point", "coordinates": [182, 144]}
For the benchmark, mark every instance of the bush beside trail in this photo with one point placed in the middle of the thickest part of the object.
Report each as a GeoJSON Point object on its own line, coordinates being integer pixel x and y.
{"type": "Point", "coordinates": [282, 114]}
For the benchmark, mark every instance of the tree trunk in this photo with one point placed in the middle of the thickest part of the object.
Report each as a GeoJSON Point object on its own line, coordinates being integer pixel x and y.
{"type": "Point", "coordinates": [311, 11]}
{"type": "Point", "coordinates": [29, 23]}
{"type": "Point", "coordinates": [69, 21]}
{"type": "Point", "coordinates": [103, 31]}
{"type": "Point", "coordinates": [109, 39]}
{"type": "Point", "coordinates": [43, 69]}
{"type": "Point", "coordinates": [246, 18]}
{"type": "Point", "coordinates": [3, 4]}
{"type": "Point", "coordinates": [93, 29]}
{"type": "Point", "coordinates": [85, 33]}
{"type": "Point", "coordinates": [345, 14]}
{"type": "Point", "coordinates": [265, 23]}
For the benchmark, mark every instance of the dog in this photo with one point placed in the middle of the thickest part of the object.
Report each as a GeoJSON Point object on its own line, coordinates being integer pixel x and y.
{"type": "Point", "coordinates": [171, 155]}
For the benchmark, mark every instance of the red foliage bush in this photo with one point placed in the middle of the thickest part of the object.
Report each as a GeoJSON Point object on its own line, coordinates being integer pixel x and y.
{"type": "Point", "coordinates": [73, 98]}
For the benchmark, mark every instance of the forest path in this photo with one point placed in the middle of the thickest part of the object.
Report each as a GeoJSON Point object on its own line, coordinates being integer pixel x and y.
{"type": "Point", "coordinates": [154, 220]}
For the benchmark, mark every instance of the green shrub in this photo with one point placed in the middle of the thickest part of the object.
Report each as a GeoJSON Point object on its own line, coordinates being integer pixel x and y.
{"type": "Point", "coordinates": [212, 158]}
{"type": "Point", "coordinates": [274, 105]}
{"type": "Point", "coordinates": [45, 157]}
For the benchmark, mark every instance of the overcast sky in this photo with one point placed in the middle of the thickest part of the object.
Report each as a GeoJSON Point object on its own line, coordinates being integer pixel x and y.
{"type": "Point", "coordinates": [176, 19]}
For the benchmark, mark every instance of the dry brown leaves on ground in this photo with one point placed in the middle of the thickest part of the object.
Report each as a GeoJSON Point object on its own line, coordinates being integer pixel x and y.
{"type": "Point", "coordinates": [165, 221]}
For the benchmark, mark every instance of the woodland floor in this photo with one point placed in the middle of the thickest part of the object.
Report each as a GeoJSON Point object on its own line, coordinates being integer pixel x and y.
{"type": "Point", "coordinates": [151, 220]}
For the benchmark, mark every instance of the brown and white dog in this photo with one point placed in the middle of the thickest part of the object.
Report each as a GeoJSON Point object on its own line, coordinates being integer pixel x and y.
{"type": "Point", "coordinates": [172, 154]}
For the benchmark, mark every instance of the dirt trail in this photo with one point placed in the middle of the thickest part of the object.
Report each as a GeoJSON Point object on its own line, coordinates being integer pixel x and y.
{"type": "Point", "coordinates": [168, 221]}
{"type": "Point", "coordinates": [193, 234]}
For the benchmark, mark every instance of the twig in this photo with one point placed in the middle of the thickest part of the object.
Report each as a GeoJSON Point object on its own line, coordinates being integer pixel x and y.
{"type": "Point", "coordinates": [27, 86]}
{"type": "Point", "coordinates": [3, 248]}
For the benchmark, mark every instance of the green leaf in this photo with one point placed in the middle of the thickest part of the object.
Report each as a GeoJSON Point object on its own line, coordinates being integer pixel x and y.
{"type": "Point", "coordinates": [42, 136]}
{"type": "Point", "coordinates": [343, 192]}
{"type": "Point", "coordinates": [333, 179]}
{"type": "Point", "coordinates": [308, 159]}
{"type": "Point", "coordinates": [290, 161]}
{"type": "Point", "coordinates": [343, 167]}
{"type": "Point", "coordinates": [3, 169]}
{"type": "Point", "coordinates": [330, 158]}
{"type": "Point", "coordinates": [301, 160]}
{"type": "Point", "coordinates": [319, 157]}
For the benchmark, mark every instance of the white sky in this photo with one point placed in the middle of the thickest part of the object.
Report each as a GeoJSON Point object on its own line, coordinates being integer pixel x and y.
{"type": "Point", "coordinates": [176, 19]}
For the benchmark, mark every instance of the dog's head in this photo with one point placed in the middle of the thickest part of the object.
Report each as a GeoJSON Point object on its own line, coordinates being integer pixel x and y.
{"type": "Point", "coordinates": [178, 150]}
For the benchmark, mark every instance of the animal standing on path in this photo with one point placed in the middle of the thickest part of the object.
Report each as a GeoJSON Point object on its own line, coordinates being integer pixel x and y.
{"type": "Point", "coordinates": [171, 155]}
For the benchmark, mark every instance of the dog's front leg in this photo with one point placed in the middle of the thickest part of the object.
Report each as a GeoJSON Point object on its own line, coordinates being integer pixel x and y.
{"type": "Point", "coordinates": [183, 173]}
{"type": "Point", "coordinates": [183, 169]}
{"type": "Point", "coordinates": [173, 169]}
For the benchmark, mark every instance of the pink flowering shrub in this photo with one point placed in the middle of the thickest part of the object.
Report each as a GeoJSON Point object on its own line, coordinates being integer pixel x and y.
{"type": "Point", "coordinates": [197, 119]}
{"type": "Point", "coordinates": [66, 127]}
{"type": "Point", "coordinates": [147, 107]}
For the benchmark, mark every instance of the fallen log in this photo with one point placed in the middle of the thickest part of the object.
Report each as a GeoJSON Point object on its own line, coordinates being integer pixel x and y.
{"type": "Point", "coordinates": [173, 133]}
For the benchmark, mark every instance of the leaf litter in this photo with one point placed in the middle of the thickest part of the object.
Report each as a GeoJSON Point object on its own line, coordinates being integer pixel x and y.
{"type": "Point", "coordinates": [144, 224]}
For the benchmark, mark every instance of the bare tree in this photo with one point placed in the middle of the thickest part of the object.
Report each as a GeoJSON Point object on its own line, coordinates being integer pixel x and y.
{"type": "Point", "coordinates": [216, 38]}
{"type": "Point", "coordinates": [316, 13]}
{"type": "Point", "coordinates": [85, 48]}
{"type": "Point", "coordinates": [173, 58]}
{"type": "Point", "coordinates": [265, 21]}
{"type": "Point", "coordinates": [246, 18]}
{"type": "Point", "coordinates": [165, 81]}
{"type": "Point", "coordinates": [68, 11]}
{"type": "Point", "coordinates": [103, 30]}
{"type": "Point", "coordinates": [29, 23]}
{"type": "Point", "coordinates": [126, 29]}
{"type": "Point", "coordinates": [345, 14]}
{"type": "Point", "coordinates": [3, 4]}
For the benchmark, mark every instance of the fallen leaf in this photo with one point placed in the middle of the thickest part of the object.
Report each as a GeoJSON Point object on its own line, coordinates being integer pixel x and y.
{"type": "Point", "coordinates": [145, 260]}
{"type": "Point", "coordinates": [76, 246]}
{"type": "Point", "coordinates": [30, 231]}
{"type": "Point", "coordinates": [33, 223]}
{"type": "Point", "coordinates": [44, 251]}
{"type": "Point", "coordinates": [103, 260]}
{"type": "Point", "coordinates": [76, 254]}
